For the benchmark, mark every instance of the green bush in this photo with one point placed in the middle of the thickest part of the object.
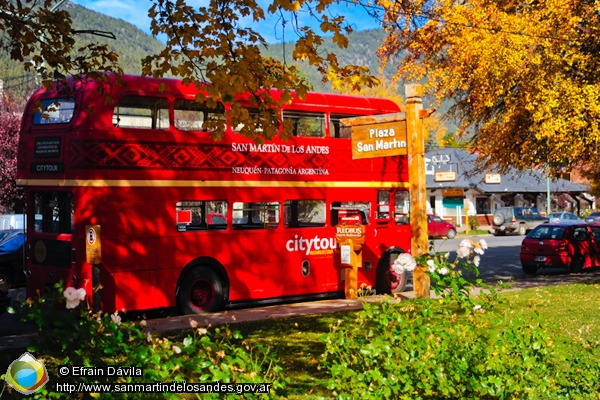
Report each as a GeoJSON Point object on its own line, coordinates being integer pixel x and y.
{"type": "Point", "coordinates": [78, 337]}
{"type": "Point", "coordinates": [392, 351]}
{"type": "Point", "coordinates": [409, 351]}
{"type": "Point", "coordinates": [473, 222]}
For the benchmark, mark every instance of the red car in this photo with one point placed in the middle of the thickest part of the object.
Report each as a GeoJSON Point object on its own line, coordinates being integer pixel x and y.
{"type": "Point", "coordinates": [437, 227]}
{"type": "Point", "coordinates": [571, 246]}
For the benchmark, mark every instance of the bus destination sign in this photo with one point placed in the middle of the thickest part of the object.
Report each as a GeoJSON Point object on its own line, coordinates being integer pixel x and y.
{"type": "Point", "coordinates": [378, 136]}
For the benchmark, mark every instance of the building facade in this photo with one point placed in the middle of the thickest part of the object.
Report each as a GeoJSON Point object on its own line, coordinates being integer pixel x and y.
{"type": "Point", "coordinates": [454, 191]}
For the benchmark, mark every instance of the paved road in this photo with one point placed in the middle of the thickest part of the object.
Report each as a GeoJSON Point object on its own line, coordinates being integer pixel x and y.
{"type": "Point", "coordinates": [501, 263]}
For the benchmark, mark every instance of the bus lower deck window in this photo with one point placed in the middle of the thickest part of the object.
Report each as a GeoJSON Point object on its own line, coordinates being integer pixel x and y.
{"type": "Point", "coordinates": [255, 215]}
{"type": "Point", "coordinates": [53, 212]}
{"type": "Point", "coordinates": [201, 215]}
{"type": "Point", "coordinates": [304, 213]}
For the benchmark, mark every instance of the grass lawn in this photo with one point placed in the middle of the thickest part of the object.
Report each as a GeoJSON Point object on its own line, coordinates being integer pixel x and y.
{"type": "Point", "coordinates": [568, 313]}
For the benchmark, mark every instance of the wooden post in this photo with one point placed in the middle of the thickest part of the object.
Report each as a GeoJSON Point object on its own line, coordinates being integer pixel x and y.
{"type": "Point", "coordinates": [418, 200]}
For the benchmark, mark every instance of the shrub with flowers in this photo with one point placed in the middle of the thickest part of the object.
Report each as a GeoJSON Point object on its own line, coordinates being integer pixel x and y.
{"type": "Point", "coordinates": [69, 333]}
{"type": "Point", "coordinates": [453, 276]}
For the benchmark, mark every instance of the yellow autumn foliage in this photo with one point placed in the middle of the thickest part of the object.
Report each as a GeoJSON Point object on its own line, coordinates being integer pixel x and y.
{"type": "Point", "coordinates": [433, 126]}
{"type": "Point", "coordinates": [522, 75]}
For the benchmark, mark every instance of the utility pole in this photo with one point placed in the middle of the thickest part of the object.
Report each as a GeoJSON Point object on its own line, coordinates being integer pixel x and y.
{"type": "Point", "coordinates": [418, 191]}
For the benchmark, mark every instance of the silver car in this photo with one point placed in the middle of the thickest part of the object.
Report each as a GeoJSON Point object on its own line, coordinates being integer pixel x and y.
{"type": "Point", "coordinates": [563, 216]}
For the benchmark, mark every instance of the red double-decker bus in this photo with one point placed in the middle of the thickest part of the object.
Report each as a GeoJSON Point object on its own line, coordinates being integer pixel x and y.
{"type": "Point", "coordinates": [199, 224]}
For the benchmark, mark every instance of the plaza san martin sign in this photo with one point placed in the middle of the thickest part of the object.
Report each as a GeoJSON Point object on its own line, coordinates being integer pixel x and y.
{"type": "Point", "coordinates": [377, 135]}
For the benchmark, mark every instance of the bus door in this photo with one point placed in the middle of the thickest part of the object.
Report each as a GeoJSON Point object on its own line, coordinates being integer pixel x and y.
{"type": "Point", "coordinates": [256, 271]}
{"type": "Point", "coordinates": [309, 248]}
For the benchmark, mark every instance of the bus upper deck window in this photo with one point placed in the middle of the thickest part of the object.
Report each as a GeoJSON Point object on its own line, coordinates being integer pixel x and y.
{"type": "Point", "coordinates": [142, 113]}
{"type": "Point", "coordinates": [306, 124]}
{"type": "Point", "coordinates": [54, 111]}
{"type": "Point", "coordinates": [190, 115]}
{"type": "Point", "coordinates": [339, 131]}
{"type": "Point", "coordinates": [252, 115]}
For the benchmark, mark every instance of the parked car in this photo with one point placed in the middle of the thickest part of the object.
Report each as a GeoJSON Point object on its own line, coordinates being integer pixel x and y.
{"type": "Point", "coordinates": [4, 298]}
{"type": "Point", "coordinates": [11, 256]}
{"type": "Point", "coordinates": [593, 218]}
{"type": "Point", "coordinates": [516, 219]}
{"type": "Point", "coordinates": [437, 227]}
{"type": "Point", "coordinates": [562, 216]}
{"type": "Point", "coordinates": [574, 247]}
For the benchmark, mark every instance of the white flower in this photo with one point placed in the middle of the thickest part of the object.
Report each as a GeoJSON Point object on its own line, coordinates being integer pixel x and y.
{"type": "Point", "coordinates": [202, 331]}
{"type": "Point", "coordinates": [143, 323]}
{"type": "Point", "coordinates": [70, 293]}
{"type": "Point", "coordinates": [176, 349]}
{"type": "Point", "coordinates": [404, 262]}
{"type": "Point", "coordinates": [483, 244]}
{"type": "Point", "coordinates": [476, 260]}
{"type": "Point", "coordinates": [466, 243]}
{"type": "Point", "coordinates": [443, 271]}
{"type": "Point", "coordinates": [193, 323]}
{"type": "Point", "coordinates": [463, 252]}
{"type": "Point", "coordinates": [73, 296]}
{"type": "Point", "coordinates": [81, 294]}
{"type": "Point", "coordinates": [72, 304]}
{"type": "Point", "coordinates": [476, 307]}
{"type": "Point", "coordinates": [478, 250]}
{"type": "Point", "coordinates": [115, 318]}
{"type": "Point", "coordinates": [149, 337]}
{"type": "Point", "coordinates": [431, 265]}
{"type": "Point", "coordinates": [188, 341]}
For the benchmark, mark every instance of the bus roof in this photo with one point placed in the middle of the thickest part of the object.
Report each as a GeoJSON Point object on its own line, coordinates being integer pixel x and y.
{"type": "Point", "coordinates": [134, 83]}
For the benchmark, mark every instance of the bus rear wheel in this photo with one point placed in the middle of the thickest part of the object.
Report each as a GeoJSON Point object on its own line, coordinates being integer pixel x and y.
{"type": "Point", "coordinates": [201, 290]}
{"type": "Point", "coordinates": [388, 281]}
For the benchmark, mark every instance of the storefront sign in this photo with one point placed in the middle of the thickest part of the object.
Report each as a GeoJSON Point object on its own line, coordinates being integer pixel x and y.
{"type": "Point", "coordinates": [493, 178]}
{"type": "Point", "coordinates": [452, 192]}
{"type": "Point", "coordinates": [445, 176]}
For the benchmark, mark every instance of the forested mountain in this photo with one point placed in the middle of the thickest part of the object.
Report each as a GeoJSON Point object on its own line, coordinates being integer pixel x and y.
{"type": "Point", "coordinates": [361, 50]}
{"type": "Point", "coordinates": [131, 44]}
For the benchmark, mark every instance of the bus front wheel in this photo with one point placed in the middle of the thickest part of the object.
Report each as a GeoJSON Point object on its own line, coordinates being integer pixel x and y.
{"type": "Point", "coordinates": [201, 290]}
{"type": "Point", "coordinates": [388, 281]}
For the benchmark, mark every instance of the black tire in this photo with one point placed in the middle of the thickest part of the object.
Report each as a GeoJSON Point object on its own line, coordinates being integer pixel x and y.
{"type": "Point", "coordinates": [498, 219]}
{"type": "Point", "coordinates": [202, 290]}
{"type": "Point", "coordinates": [576, 265]}
{"type": "Point", "coordinates": [8, 275]}
{"type": "Point", "coordinates": [522, 229]}
{"type": "Point", "coordinates": [529, 269]}
{"type": "Point", "coordinates": [451, 234]}
{"type": "Point", "coordinates": [389, 282]}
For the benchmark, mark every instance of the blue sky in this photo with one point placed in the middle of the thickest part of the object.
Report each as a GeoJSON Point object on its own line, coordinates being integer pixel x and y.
{"type": "Point", "coordinates": [136, 13]}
